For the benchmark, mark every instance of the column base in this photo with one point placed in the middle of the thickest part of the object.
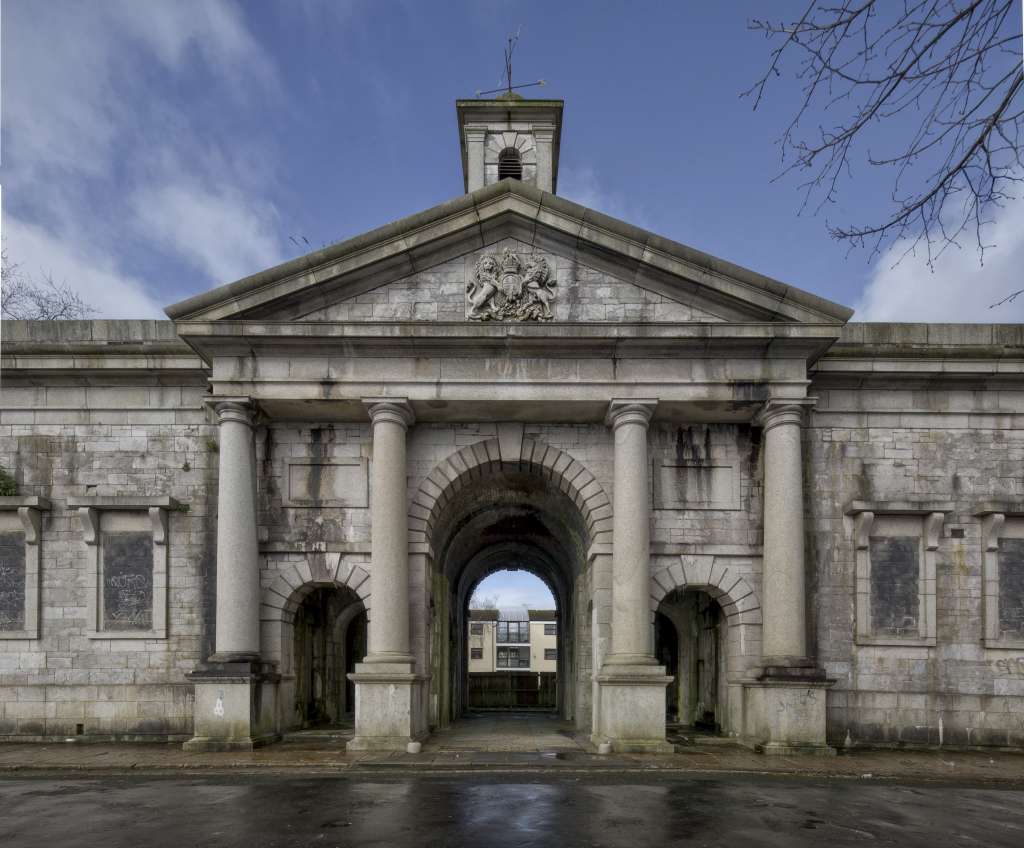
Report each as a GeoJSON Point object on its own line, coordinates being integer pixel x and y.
{"type": "Point", "coordinates": [631, 708]}
{"type": "Point", "coordinates": [785, 714]}
{"type": "Point", "coordinates": [389, 707]}
{"type": "Point", "coordinates": [235, 706]}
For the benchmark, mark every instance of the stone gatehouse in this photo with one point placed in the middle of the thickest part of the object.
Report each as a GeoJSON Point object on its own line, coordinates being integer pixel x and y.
{"type": "Point", "coordinates": [273, 508]}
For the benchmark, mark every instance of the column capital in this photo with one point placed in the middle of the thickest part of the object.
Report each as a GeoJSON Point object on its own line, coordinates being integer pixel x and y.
{"type": "Point", "coordinates": [240, 410]}
{"type": "Point", "coordinates": [393, 410]}
{"type": "Point", "coordinates": [630, 411]}
{"type": "Point", "coordinates": [783, 411]}
{"type": "Point", "coordinates": [475, 132]}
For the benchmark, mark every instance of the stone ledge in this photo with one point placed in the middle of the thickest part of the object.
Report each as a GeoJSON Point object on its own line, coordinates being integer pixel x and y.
{"type": "Point", "coordinates": [907, 507]}
{"type": "Point", "coordinates": [125, 502]}
{"type": "Point", "coordinates": [12, 502]}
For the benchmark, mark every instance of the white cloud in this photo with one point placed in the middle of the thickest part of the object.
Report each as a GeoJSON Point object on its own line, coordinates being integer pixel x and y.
{"type": "Point", "coordinates": [959, 289]}
{"type": "Point", "coordinates": [91, 273]}
{"type": "Point", "coordinates": [106, 166]}
{"type": "Point", "coordinates": [80, 71]}
{"type": "Point", "coordinates": [582, 185]}
{"type": "Point", "coordinates": [217, 230]}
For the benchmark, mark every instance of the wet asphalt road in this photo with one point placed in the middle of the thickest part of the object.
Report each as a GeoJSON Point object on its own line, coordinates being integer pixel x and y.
{"type": "Point", "coordinates": [495, 810]}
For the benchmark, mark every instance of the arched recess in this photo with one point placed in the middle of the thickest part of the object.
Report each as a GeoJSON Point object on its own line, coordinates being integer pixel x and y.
{"type": "Point", "coordinates": [731, 587]}
{"type": "Point", "coordinates": [280, 601]}
{"type": "Point", "coordinates": [507, 502]}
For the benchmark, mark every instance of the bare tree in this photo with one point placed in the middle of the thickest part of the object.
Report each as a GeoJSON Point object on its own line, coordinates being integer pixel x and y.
{"type": "Point", "coordinates": [945, 79]}
{"type": "Point", "coordinates": [24, 299]}
{"type": "Point", "coordinates": [483, 602]}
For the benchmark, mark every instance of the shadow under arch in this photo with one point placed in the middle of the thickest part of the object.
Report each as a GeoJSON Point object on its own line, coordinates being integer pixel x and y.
{"type": "Point", "coordinates": [508, 503]}
{"type": "Point", "coordinates": [282, 607]}
{"type": "Point", "coordinates": [732, 588]}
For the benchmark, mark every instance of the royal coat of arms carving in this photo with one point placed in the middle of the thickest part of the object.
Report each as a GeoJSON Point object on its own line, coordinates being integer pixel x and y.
{"type": "Point", "coordinates": [510, 289]}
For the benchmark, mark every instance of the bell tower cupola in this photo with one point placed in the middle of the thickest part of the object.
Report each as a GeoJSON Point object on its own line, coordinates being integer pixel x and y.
{"type": "Point", "coordinates": [510, 137]}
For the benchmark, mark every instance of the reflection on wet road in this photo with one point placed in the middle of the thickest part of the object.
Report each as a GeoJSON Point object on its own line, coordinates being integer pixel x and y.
{"type": "Point", "coordinates": [496, 810]}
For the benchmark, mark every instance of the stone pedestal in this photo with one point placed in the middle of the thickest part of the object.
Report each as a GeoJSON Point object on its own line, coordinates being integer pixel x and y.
{"type": "Point", "coordinates": [631, 685]}
{"type": "Point", "coordinates": [390, 710]}
{"type": "Point", "coordinates": [390, 707]}
{"type": "Point", "coordinates": [235, 707]}
{"type": "Point", "coordinates": [631, 709]}
{"type": "Point", "coordinates": [786, 716]}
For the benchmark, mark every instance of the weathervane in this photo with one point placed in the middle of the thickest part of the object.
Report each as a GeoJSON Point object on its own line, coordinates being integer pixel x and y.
{"type": "Point", "coordinates": [513, 40]}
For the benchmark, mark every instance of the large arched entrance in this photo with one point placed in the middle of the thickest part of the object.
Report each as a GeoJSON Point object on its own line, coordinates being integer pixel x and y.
{"type": "Point", "coordinates": [538, 510]}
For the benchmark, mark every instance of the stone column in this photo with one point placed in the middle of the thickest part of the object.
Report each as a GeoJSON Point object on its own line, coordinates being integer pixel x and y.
{"type": "Point", "coordinates": [235, 693]}
{"type": "Point", "coordinates": [475, 140]}
{"type": "Point", "coordinates": [784, 711]}
{"type": "Point", "coordinates": [783, 594]}
{"type": "Point", "coordinates": [238, 573]}
{"type": "Point", "coordinates": [631, 535]}
{"type": "Point", "coordinates": [388, 635]}
{"type": "Point", "coordinates": [544, 136]}
{"type": "Point", "coordinates": [630, 713]}
{"type": "Point", "coordinates": [390, 707]}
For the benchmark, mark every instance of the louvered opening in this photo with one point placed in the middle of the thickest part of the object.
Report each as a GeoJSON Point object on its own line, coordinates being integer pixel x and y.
{"type": "Point", "coordinates": [510, 166]}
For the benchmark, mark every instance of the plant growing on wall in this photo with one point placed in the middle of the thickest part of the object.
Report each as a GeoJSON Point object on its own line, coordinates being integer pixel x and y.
{"type": "Point", "coordinates": [8, 485]}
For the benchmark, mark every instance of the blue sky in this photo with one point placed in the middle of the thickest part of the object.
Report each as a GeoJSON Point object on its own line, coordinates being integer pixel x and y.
{"type": "Point", "coordinates": [512, 589]}
{"type": "Point", "coordinates": [153, 150]}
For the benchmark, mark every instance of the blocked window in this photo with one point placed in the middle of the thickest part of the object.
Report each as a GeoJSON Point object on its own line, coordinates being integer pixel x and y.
{"type": "Point", "coordinates": [12, 580]}
{"type": "Point", "coordinates": [896, 546]}
{"type": "Point", "coordinates": [20, 539]}
{"type": "Point", "coordinates": [127, 537]}
{"type": "Point", "coordinates": [126, 577]}
{"type": "Point", "coordinates": [476, 653]}
{"type": "Point", "coordinates": [1002, 533]}
{"type": "Point", "coordinates": [1011, 588]}
{"type": "Point", "coordinates": [895, 585]}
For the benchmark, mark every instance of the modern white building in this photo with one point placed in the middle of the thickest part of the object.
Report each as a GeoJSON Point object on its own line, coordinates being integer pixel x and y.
{"type": "Point", "coordinates": [515, 638]}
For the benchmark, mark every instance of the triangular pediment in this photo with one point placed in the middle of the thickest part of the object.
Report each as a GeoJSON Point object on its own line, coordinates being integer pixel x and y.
{"type": "Point", "coordinates": [509, 252]}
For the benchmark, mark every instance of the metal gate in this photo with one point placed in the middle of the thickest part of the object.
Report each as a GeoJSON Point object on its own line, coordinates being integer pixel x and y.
{"type": "Point", "coordinates": [512, 690]}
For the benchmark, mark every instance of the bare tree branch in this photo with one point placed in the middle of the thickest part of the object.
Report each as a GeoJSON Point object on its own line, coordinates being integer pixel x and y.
{"type": "Point", "coordinates": [23, 299]}
{"type": "Point", "coordinates": [946, 74]}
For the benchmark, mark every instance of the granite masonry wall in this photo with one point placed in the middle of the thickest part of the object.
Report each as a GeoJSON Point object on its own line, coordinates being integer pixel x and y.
{"type": "Point", "coordinates": [958, 443]}
{"type": "Point", "coordinates": [116, 408]}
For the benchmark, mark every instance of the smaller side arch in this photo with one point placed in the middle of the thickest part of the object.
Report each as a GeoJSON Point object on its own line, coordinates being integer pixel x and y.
{"type": "Point", "coordinates": [280, 600]}
{"type": "Point", "coordinates": [737, 598]}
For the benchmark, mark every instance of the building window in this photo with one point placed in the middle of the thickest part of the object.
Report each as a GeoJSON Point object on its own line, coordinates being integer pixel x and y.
{"type": "Point", "coordinates": [510, 165]}
{"type": "Point", "coordinates": [551, 653]}
{"type": "Point", "coordinates": [515, 632]}
{"type": "Point", "coordinates": [128, 538]}
{"type": "Point", "coordinates": [20, 524]}
{"type": "Point", "coordinates": [476, 628]}
{"type": "Point", "coordinates": [1002, 534]}
{"type": "Point", "coordinates": [550, 629]}
{"type": "Point", "coordinates": [895, 585]}
{"type": "Point", "coordinates": [896, 545]}
{"type": "Point", "coordinates": [126, 575]}
{"type": "Point", "coordinates": [513, 658]}
{"type": "Point", "coordinates": [476, 653]}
